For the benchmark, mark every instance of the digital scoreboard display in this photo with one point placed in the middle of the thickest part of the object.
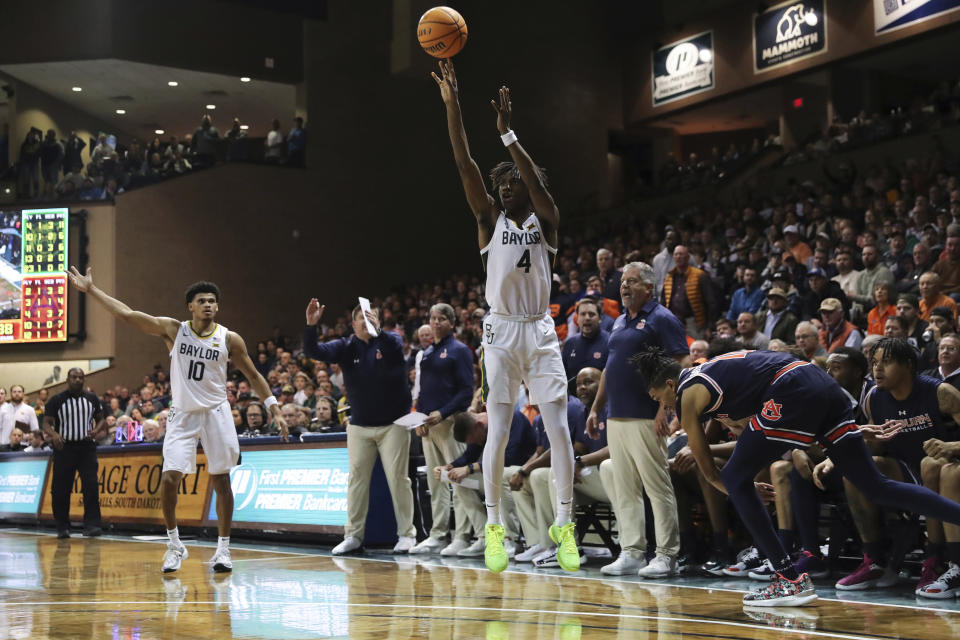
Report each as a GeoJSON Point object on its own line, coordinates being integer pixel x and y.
{"type": "Point", "coordinates": [33, 281]}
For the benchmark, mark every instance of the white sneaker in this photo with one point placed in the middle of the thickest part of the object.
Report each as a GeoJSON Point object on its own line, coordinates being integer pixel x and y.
{"type": "Point", "coordinates": [221, 560]}
{"type": "Point", "coordinates": [510, 547]}
{"type": "Point", "coordinates": [624, 565]}
{"type": "Point", "coordinates": [529, 554]}
{"type": "Point", "coordinates": [763, 573]}
{"type": "Point", "coordinates": [455, 547]}
{"type": "Point", "coordinates": [660, 567]}
{"type": "Point", "coordinates": [427, 545]}
{"type": "Point", "coordinates": [545, 554]}
{"type": "Point", "coordinates": [404, 544]}
{"type": "Point", "coordinates": [348, 545]}
{"type": "Point", "coordinates": [477, 549]}
{"type": "Point", "coordinates": [173, 557]}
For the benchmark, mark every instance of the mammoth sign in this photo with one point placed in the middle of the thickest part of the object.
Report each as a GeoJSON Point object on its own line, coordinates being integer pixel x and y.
{"type": "Point", "coordinates": [788, 32]}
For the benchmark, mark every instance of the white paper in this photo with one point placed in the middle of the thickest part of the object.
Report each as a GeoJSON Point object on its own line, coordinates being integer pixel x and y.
{"type": "Point", "coordinates": [365, 308]}
{"type": "Point", "coordinates": [411, 420]}
{"type": "Point", "coordinates": [466, 483]}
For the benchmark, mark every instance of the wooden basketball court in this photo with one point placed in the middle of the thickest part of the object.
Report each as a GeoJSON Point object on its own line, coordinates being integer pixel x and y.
{"type": "Point", "coordinates": [110, 588]}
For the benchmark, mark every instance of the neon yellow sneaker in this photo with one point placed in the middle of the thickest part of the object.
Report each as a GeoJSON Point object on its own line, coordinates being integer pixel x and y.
{"type": "Point", "coordinates": [495, 555]}
{"type": "Point", "coordinates": [497, 630]}
{"type": "Point", "coordinates": [568, 556]}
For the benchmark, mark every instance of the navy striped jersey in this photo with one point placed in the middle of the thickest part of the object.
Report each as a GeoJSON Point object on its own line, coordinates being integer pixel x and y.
{"type": "Point", "coordinates": [737, 381]}
{"type": "Point", "coordinates": [921, 410]}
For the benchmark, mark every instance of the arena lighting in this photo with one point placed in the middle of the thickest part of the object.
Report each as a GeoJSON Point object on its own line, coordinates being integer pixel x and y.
{"type": "Point", "coordinates": [706, 55]}
{"type": "Point", "coordinates": [211, 107]}
{"type": "Point", "coordinates": [77, 88]}
{"type": "Point", "coordinates": [244, 79]}
{"type": "Point", "coordinates": [159, 132]}
{"type": "Point", "coordinates": [244, 126]}
{"type": "Point", "coordinates": [172, 83]}
{"type": "Point", "coordinates": [120, 112]}
{"type": "Point", "coordinates": [811, 18]}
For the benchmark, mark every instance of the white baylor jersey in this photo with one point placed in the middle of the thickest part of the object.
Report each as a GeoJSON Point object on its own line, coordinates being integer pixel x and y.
{"type": "Point", "coordinates": [198, 369]}
{"type": "Point", "coordinates": [518, 261]}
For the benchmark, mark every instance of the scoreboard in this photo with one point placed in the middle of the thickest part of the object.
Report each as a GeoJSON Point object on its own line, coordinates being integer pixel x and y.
{"type": "Point", "coordinates": [33, 281]}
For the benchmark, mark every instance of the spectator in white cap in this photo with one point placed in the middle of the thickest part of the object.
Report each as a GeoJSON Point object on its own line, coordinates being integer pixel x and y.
{"type": "Point", "coordinates": [800, 249]}
{"type": "Point", "coordinates": [837, 331]}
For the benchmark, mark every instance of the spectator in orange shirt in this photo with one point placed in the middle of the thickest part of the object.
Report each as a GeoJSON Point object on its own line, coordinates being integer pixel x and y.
{"type": "Point", "coordinates": [883, 309]}
{"type": "Point", "coordinates": [800, 249]}
{"type": "Point", "coordinates": [931, 297]}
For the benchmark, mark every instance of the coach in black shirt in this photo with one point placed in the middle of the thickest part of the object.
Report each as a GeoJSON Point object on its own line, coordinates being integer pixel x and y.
{"type": "Point", "coordinates": [74, 420]}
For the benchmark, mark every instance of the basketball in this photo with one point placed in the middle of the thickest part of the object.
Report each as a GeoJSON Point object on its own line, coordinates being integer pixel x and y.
{"type": "Point", "coordinates": [442, 32]}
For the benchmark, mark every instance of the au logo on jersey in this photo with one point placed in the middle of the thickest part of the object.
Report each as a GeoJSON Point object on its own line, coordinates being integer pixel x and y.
{"type": "Point", "coordinates": [379, 355]}
{"type": "Point", "coordinates": [771, 410]}
{"type": "Point", "coordinates": [443, 355]}
{"type": "Point", "coordinates": [641, 324]}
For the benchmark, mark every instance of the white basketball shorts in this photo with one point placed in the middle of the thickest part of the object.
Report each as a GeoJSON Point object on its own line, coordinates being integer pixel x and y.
{"type": "Point", "coordinates": [213, 428]}
{"type": "Point", "coordinates": [521, 350]}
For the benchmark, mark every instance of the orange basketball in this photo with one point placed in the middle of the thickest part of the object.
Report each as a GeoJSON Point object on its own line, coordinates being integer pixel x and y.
{"type": "Point", "coordinates": [442, 32]}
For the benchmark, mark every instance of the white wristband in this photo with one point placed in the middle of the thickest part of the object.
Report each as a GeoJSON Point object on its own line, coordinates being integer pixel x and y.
{"type": "Point", "coordinates": [508, 138]}
{"type": "Point", "coordinates": [270, 401]}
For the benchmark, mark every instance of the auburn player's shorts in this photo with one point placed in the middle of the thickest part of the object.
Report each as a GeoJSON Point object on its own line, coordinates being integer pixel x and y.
{"type": "Point", "coordinates": [215, 431]}
{"type": "Point", "coordinates": [803, 405]}
{"type": "Point", "coordinates": [516, 350]}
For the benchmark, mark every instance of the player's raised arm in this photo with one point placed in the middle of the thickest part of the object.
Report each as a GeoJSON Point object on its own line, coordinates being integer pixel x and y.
{"type": "Point", "coordinates": [481, 203]}
{"type": "Point", "coordinates": [241, 359]}
{"type": "Point", "coordinates": [543, 204]}
{"type": "Point", "coordinates": [155, 326]}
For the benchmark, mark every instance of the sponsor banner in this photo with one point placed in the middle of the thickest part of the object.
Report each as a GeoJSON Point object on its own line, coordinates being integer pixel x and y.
{"type": "Point", "coordinates": [890, 15]}
{"type": "Point", "coordinates": [788, 32]}
{"type": "Point", "coordinates": [292, 487]}
{"type": "Point", "coordinates": [683, 68]}
{"type": "Point", "coordinates": [130, 489]}
{"type": "Point", "coordinates": [21, 485]}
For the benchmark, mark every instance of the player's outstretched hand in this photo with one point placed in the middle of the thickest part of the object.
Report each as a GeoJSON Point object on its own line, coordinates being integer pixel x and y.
{"type": "Point", "coordinates": [594, 426]}
{"type": "Point", "coordinates": [504, 110]}
{"type": "Point", "coordinates": [314, 311]}
{"type": "Point", "coordinates": [447, 81]}
{"type": "Point", "coordinates": [766, 491]}
{"type": "Point", "coordinates": [820, 473]}
{"type": "Point", "coordinates": [282, 425]}
{"type": "Point", "coordinates": [80, 281]}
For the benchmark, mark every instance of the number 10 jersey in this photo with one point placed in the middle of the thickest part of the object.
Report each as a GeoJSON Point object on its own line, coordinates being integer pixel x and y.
{"type": "Point", "coordinates": [518, 262]}
{"type": "Point", "coordinates": [198, 369]}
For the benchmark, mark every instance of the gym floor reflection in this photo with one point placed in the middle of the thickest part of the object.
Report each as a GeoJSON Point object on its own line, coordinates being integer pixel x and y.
{"type": "Point", "coordinates": [112, 588]}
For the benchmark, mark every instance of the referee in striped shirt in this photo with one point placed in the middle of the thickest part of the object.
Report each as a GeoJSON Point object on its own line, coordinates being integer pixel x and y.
{"type": "Point", "coordinates": [74, 420]}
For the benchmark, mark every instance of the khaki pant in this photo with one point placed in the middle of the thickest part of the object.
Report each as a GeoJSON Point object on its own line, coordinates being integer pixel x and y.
{"type": "Point", "coordinates": [393, 445]}
{"type": "Point", "coordinates": [532, 505]}
{"type": "Point", "coordinates": [589, 490]}
{"type": "Point", "coordinates": [639, 463]}
{"type": "Point", "coordinates": [439, 448]}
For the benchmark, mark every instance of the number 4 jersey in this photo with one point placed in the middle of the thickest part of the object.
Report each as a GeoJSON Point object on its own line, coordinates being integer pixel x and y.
{"type": "Point", "coordinates": [198, 368]}
{"type": "Point", "coordinates": [518, 261]}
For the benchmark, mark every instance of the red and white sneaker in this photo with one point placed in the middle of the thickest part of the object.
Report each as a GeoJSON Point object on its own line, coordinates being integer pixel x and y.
{"type": "Point", "coordinates": [928, 572]}
{"type": "Point", "coordinates": [945, 587]}
{"type": "Point", "coordinates": [783, 592]}
{"type": "Point", "coordinates": [747, 560]}
{"type": "Point", "coordinates": [868, 576]}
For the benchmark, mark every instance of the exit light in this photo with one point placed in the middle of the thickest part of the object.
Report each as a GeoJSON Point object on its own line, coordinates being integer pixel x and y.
{"type": "Point", "coordinates": [797, 103]}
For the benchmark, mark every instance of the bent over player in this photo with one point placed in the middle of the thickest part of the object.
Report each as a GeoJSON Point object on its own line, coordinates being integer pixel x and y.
{"type": "Point", "coordinates": [781, 403]}
{"type": "Point", "coordinates": [199, 408]}
{"type": "Point", "coordinates": [518, 245]}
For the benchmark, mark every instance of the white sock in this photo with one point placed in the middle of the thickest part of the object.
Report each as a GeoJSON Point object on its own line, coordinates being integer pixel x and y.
{"type": "Point", "coordinates": [174, 535]}
{"type": "Point", "coordinates": [223, 542]}
{"type": "Point", "coordinates": [554, 416]}
{"type": "Point", "coordinates": [493, 514]}
{"type": "Point", "coordinates": [564, 513]}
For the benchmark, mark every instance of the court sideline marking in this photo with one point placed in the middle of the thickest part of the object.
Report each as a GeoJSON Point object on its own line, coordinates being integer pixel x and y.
{"type": "Point", "coordinates": [607, 581]}
{"type": "Point", "coordinates": [634, 616]}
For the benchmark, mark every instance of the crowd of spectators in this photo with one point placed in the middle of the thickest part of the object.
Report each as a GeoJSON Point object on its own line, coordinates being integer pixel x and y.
{"type": "Point", "coordinates": [50, 169]}
{"type": "Point", "coordinates": [820, 268]}
{"type": "Point", "coordinates": [681, 175]}
{"type": "Point", "coordinates": [941, 108]}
